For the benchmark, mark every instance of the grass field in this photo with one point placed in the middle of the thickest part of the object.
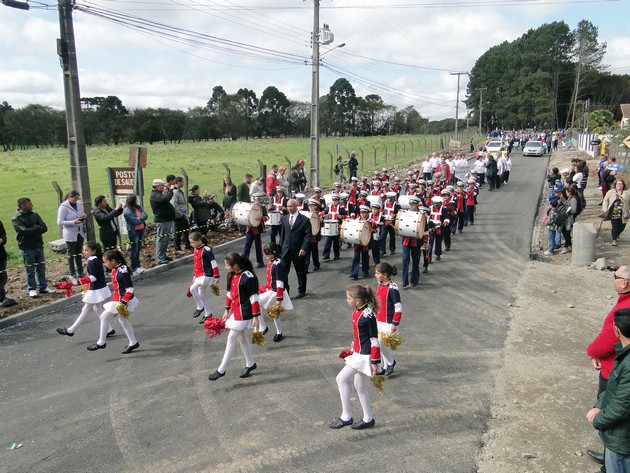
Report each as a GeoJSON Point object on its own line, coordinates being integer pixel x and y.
{"type": "Point", "coordinates": [30, 173]}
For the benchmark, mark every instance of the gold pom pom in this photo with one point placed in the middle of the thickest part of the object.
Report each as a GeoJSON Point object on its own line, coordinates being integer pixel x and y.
{"type": "Point", "coordinates": [216, 290]}
{"type": "Point", "coordinates": [122, 309]}
{"type": "Point", "coordinates": [275, 311]}
{"type": "Point", "coordinates": [258, 339]}
{"type": "Point", "coordinates": [377, 381]}
{"type": "Point", "coordinates": [391, 340]}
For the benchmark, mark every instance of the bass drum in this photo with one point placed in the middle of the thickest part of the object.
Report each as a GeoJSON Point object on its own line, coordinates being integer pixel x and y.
{"type": "Point", "coordinates": [410, 224]}
{"type": "Point", "coordinates": [356, 232]}
{"type": "Point", "coordinates": [314, 219]}
{"type": "Point", "coordinates": [403, 201]}
{"type": "Point", "coordinates": [247, 214]}
{"type": "Point", "coordinates": [375, 199]}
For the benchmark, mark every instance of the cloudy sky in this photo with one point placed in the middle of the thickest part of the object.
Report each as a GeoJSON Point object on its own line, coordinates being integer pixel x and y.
{"type": "Point", "coordinates": [172, 53]}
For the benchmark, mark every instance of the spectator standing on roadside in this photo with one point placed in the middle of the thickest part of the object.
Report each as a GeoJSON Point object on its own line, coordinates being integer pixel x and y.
{"type": "Point", "coordinates": [258, 187]}
{"type": "Point", "coordinates": [616, 205]}
{"type": "Point", "coordinates": [302, 174]}
{"type": "Point", "coordinates": [107, 219]}
{"type": "Point", "coordinates": [611, 413]}
{"type": "Point", "coordinates": [30, 227]}
{"type": "Point", "coordinates": [573, 203]}
{"type": "Point", "coordinates": [229, 194]}
{"type": "Point", "coordinates": [135, 218]}
{"type": "Point", "coordinates": [4, 300]}
{"type": "Point", "coordinates": [554, 234]}
{"type": "Point", "coordinates": [602, 349]}
{"type": "Point", "coordinates": [491, 173]}
{"type": "Point", "coordinates": [480, 167]}
{"type": "Point", "coordinates": [164, 218]}
{"type": "Point", "coordinates": [272, 181]}
{"type": "Point", "coordinates": [182, 216]}
{"type": "Point", "coordinates": [71, 219]}
{"type": "Point", "coordinates": [353, 164]}
{"type": "Point", "coordinates": [242, 191]}
{"type": "Point", "coordinates": [283, 181]}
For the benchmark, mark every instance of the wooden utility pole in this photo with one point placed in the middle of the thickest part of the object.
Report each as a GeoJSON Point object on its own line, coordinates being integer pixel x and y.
{"type": "Point", "coordinates": [480, 89]}
{"type": "Point", "coordinates": [315, 99]}
{"type": "Point", "coordinates": [458, 74]}
{"type": "Point", "coordinates": [74, 120]}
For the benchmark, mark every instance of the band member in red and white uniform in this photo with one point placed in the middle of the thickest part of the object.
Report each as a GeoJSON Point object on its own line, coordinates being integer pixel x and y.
{"type": "Point", "coordinates": [364, 360]}
{"type": "Point", "coordinates": [278, 204]}
{"type": "Point", "coordinates": [242, 309]}
{"type": "Point", "coordinates": [350, 208]}
{"type": "Point", "coordinates": [205, 272]}
{"type": "Point", "coordinates": [364, 186]}
{"type": "Point", "coordinates": [390, 210]}
{"type": "Point", "coordinates": [273, 292]}
{"type": "Point", "coordinates": [376, 188]}
{"type": "Point", "coordinates": [301, 201]}
{"type": "Point", "coordinates": [397, 187]}
{"type": "Point", "coordinates": [377, 223]}
{"type": "Point", "coordinates": [253, 235]}
{"type": "Point", "coordinates": [444, 168]}
{"type": "Point", "coordinates": [424, 241]}
{"type": "Point", "coordinates": [313, 249]}
{"type": "Point", "coordinates": [390, 311]}
{"type": "Point", "coordinates": [335, 211]}
{"type": "Point", "coordinates": [437, 217]}
{"type": "Point", "coordinates": [448, 208]}
{"type": "Point", "coordinates": [353, 192]}
{"type": "Point", "coordinates": [460, 201]}
{"type": "Point", "coordinates": [361, 252]}
{"type": "Point", "coordinates": [123, 294]}
{"type": "Point", "coordinates": [411, 251]}
{"type": "Point", "coordinates": [362, 200]}
{"type": "Point", "coordinates": [471, 191]}
{"type": "Point", "coordinates": [317, 195]}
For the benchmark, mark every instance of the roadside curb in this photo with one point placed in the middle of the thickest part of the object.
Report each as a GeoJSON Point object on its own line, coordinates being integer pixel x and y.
{"type": "Point", "coordinates": [66, 302]}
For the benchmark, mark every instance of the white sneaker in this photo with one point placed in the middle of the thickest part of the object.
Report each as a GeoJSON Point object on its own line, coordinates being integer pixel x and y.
{"type": "Point", "coordinates": [33, 293]}
{"type": "Point", "coordinates": [138, 271]}
{"type": "Point", "coordinates": [47, 290]}
{"type": "Point", "coordinates": [548, 253]}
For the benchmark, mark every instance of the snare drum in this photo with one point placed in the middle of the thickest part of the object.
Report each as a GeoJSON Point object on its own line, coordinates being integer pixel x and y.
{"type": "Point", "coordinates": [314, 219]}
{"type": "Point", "coordinates": [375, 199]}
{"type": "Point", "coordinates": [328, 199]}
{"type": "Point", "coordinates": [410, 224]}
{"type": "Point", "coordinates": [356, 232]}
{"type": "Point", "coordinates": [403, 201]}
{"type": "Point", "coordinates": [247, 214]}
{"type": "Point", "coordinates": [330, 228]}
{"type": "Point", "coordinates": [274, 218]}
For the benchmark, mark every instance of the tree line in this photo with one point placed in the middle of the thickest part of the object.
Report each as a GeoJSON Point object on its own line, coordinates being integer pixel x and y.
{"type": "Point", "coordinates": [551, 77]}
{"type": "Point", "coordinates": [242, 115]}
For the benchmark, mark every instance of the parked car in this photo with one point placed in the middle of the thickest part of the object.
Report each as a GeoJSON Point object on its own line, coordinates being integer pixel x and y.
{"type": "Point", "coordinates": [533, 148]}
{"type": "Point", "coordinates": [493, 147]}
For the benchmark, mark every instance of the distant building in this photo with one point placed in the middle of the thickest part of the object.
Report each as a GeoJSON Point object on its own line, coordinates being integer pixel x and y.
{"type": "Point", "coordinates": [623, 117]}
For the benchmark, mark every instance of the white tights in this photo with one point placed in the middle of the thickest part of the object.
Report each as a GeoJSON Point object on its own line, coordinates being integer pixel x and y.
{"type": "Point", "coordinates": [262, 325]}
{"type": "Point", "coordinates": [198, 292]}
{"type": "Point", "coordinates": [360, 384]}
{"type": "Point", "coordinates": [246, 348]}
{"type": "Point", "coordinates": [386, 356]}
{"type": "Point", "coordinates": [106, 319]}
{"type": "Point", "coordinates": [87, 308]}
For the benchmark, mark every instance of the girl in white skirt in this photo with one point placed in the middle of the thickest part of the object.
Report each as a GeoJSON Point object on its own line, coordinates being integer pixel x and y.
{"type": "Point", "coordinates": [242, 309]}
{"type": "Point", "coordinates": [205, 272]}
{"type": "Point", "coordinates": [123, 294]}
{"type": "Point", "coordinates": [97, 291]}
{"type": "Point", "coordinates": [364, 360]}
{"type": "Point", "coordinates": [274, 291]}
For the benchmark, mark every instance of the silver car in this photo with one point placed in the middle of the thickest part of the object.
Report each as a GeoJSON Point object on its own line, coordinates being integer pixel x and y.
{"type": "Point", "coordinates": [533, 148]}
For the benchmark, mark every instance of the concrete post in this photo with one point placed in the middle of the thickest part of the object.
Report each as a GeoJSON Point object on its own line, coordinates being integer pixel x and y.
{"type": "Point", "coordinates": [583, 247]}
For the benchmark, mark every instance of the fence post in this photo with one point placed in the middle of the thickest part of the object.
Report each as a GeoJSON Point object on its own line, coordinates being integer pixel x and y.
{"type": "Point", "coordinates": [331, 165]}
{"type": "Point", "coordinates": [404, 150]}
{"type": "Point", "coordinates": [263, 169]}
{"type": "Point", "coordinates": [227, 170]}
{"type": "Point", "coordinates": [185, 176]}
{"type": "Point", "coordinates": [374, 155]}
{"type": "Point", "coordinates": [385, 157]}
{"type": "Point", "coordinates": [289, 163]}
{"type": "Point", "coordinates": [361, 151]}
{"type": "Point", "coordinates": [411, 141]}
{"type": "Point", "coordinates": [59, 200]}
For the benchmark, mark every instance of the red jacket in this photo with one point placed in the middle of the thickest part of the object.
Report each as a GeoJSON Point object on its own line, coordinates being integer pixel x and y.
{"type": "Point", "coordinates": [603, 347]}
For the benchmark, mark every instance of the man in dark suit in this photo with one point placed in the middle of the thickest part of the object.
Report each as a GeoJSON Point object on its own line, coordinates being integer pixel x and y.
{"type": "Point", "coordinates": [295, 235]}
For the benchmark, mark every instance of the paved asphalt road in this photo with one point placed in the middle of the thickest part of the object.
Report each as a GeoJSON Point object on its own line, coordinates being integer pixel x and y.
{"type": "Point", "coordinates": [155, 410]}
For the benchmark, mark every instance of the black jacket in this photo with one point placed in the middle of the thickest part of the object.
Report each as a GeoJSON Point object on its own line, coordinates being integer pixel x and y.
{"type": "Point", "coordinates": [296, 238]}
{"type": "Point", "coordinates": [163, 211]}
{"type": "Point", "coordinates": [108, 221]}
{"type": "Point", "coordinates": [3, 241]}
{"type": "Point", "coordinates": [29, 228]}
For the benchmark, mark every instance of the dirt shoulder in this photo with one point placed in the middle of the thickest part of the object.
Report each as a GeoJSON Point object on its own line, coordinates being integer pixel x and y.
{"type": "Point", "coordinates": [546, 384]}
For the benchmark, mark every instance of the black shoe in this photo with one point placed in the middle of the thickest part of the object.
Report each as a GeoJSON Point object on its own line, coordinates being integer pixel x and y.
{"type": "Point", "coordinates": [316, 268]}
{"type": "Point", "coordinates": [366, 275]}
{"type": "Point", "coordinates": [96, 346]}
{"type": "Point", "coordinates": [111, 333]}
{"type": "Point", "coordinates": [390, 369]}
{"type": "Point", "coordinates": [596, 456]}
{"type": "Point", "coordinates": [197, 312]}
{"type": "Point", "coordinates": [265, 331]}
{"type": "Point", "coordinates": [130, 348]}
{"type": "Point", "coordinates": [325, 258]}
{"type": "Point", "coordinates": [338, 423]}
{"type": "Point", "coordinates": [425, 270]}
{"type": "Point", "coordinates": [245, 373]}
{"type": "Point", "coordinates": [204, 318]}
{"type": "Point", "coordinates": [380, 373]}
{"type": "Point", "coordinates": [216, 375]}
{"type": "Point", "coordinates": [438, 258]}
{"type": "Point", "coordinates": [300, 295]}
{"type": "Point", "coordinates": [392, 252]}
{"type": "Point", "coordinates": [162, 261]}
{"type": "Point", "coordinates": [405, 285]}
{"type": "Point", "coordinates": [260, 265]}
{"type": "Point", "coordinates": [414, 285]}
{"type": "Point", "coordinates": [353, 277]}
{"type": "Point", "coordinates": [363, 425]}
{"type": "Point", "coordinates": [64, 331]}
{"type": "Point", "coordinates": [277, 337]}
{"type": "Point", "coordinates": [168, 258]}
{"type": "Point", "coordinates": [8, 302]}
{"type": "Point", "coordinates": [335, 258]}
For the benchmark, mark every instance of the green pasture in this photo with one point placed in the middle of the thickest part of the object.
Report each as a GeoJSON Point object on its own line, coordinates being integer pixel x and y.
{"type": "Point", "coordinates": [30, 173]}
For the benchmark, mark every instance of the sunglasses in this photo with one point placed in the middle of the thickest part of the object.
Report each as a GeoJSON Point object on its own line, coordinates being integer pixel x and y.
{"type": "Point", "coordinates": [618, 277]}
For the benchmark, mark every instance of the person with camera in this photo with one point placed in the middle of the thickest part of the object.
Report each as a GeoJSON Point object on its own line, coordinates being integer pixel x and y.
{"type": "Point", "coordinates": [107, 219]}
{"type": "Point", "coordinates": [71, 218]}
{"type": "Point", "coordinates": [163, 216]}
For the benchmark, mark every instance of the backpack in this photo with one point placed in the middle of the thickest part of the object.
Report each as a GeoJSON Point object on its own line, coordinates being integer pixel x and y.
{"type": "Point", "coordinates": [564, 211]}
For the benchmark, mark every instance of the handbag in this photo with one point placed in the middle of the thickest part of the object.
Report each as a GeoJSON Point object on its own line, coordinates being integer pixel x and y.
{"type": "Point", "coordinates": [607, 215]}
